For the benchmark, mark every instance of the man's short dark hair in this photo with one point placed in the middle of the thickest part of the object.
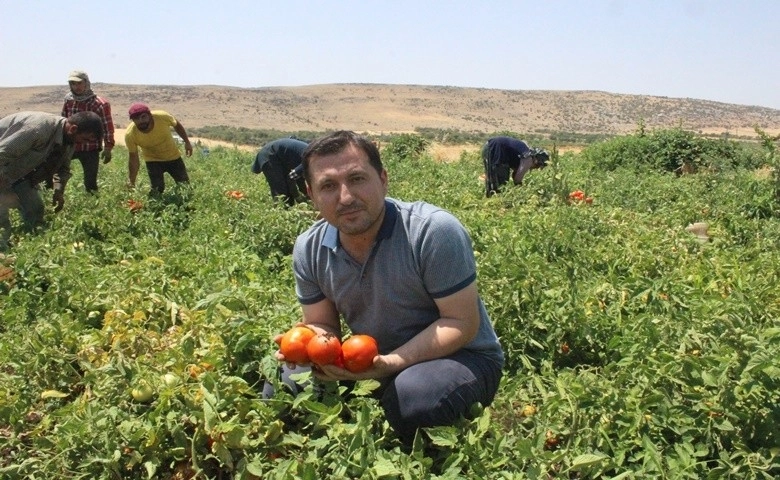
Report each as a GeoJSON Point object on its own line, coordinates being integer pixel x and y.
{"type": "Point", "coordinates": [336, 142]}
{"type": "Point", "coordinates": [88, 122]}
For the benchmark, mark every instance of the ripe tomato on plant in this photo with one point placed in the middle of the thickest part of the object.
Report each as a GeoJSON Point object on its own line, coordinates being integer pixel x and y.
{"type": "Point", "coordinates": [551, 440]}
{"type": "Point", "coordinates": [358, 352]}
{"type": "Point", "coordinates": [235, 194]}
{"type": "Point", "coordinates": [134, 206]}
{"type": "Point", "coordinates": [577, 195]}
{"type": "Point", "coordinates": [324, 349]}
{"type": "Point", "coordinates": [293, 344]}
{"type": "Point", "coordinates": [194, 370]}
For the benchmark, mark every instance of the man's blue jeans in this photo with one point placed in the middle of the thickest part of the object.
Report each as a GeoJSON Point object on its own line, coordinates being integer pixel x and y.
{"type": "Point", "coordinates": [433, 393]}
{"type": "Point", "coordinates": [438, 392]}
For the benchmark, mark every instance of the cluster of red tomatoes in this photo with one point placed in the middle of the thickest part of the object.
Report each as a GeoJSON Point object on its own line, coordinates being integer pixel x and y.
{"type": "Point", "coordinates": [235, 194]}
{"type": "Point", "coordinates": [578, 196]}
{"type": "Point", "coordinates": [301, 345]}
{"type": "Point", "coordinates": [134, 206]}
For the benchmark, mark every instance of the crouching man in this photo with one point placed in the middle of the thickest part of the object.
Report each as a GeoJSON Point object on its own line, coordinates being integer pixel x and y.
{"type": "Point", "coordinates": [36, 147]}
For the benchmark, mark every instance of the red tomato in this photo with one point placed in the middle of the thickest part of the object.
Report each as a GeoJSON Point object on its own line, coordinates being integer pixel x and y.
{"type": "Point", "coordinates": [134, 206]}
{"type": "Point", "coordinates": [293, 344]}
{"type": "Point", "coordinates": [324, 349]}
{"type": "Point", "coordinates": [551, 441]}
{"type": "Point", "coordinates": [237, 194]}
{"type": "Point", "coordinates": [358, 352]}
{"type": "Point", "coordinates": [577, 195]}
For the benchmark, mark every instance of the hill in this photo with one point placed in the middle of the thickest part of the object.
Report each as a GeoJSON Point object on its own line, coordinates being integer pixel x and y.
{"type": "Point", "coordinates": [404, 108]}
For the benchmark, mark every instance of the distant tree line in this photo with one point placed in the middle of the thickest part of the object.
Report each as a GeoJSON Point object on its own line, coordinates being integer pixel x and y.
{"type": "Point", "coordinates": [674, 150]}
{"type": "Point", "coordinates": [259, 137]}
{"type": "Point", "coordinates": [249, 136]}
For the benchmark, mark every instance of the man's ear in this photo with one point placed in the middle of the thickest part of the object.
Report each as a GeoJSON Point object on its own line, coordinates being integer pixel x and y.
{"type": "Point", "coordinates": [71, 128]}
{"type": "Point", "coordinates": [309, 193]}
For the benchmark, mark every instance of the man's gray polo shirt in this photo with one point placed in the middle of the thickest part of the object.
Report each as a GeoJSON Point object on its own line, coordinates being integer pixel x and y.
{"type": "Point", "coordinates": [422, 253]}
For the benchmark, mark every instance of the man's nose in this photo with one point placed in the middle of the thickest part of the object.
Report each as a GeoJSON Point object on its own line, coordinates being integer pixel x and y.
{"type": "Point", "coordinates": [345, 194]}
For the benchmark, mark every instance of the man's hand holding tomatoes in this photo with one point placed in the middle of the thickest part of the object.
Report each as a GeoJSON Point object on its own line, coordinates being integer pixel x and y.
{"type": "Point", "coordinates": [356, 359]}
{"type": "Point", "coordinates": [382, 366]}
{"type": "Point", "coordinates": [292, 350]}
{"type": "Point", "coordinates": [359, 359]}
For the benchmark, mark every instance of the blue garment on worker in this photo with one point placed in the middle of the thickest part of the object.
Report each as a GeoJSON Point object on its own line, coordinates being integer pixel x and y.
{"type": "Point", "coordinates": [507, 151]}
{"type": "Point", "coordinates": [287, 150]}
{"type": "Point", "coordinates": [499, 156]}
{"type": "Point", "coordinates": [276, 160]}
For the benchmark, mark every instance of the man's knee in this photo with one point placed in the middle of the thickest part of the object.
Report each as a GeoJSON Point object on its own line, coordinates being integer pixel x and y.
{"type": "Point", "coordinates": [412, 400]}
{"type": "Point", "coordinates": [30, 204]}
{"type": "Point", "coordinates": [439, 392]}
{"type": "Point", "coordinates": [33, 216]}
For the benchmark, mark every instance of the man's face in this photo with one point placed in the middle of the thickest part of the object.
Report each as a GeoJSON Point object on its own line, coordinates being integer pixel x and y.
{"type": "Point", "coordinates": [348, 191]}
{"type": "Point", "coordinates": [72, 135]}
{"type": "Point", "coordinates": [78, 87]}
{"type": "Point", "coordinates": [143, 121]}
{"type": "Point", "coordinates": [84, 137]}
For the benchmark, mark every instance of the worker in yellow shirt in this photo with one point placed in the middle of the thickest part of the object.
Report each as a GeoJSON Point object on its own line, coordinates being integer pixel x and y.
{"type": "Point", "coordinates": [150, 131]}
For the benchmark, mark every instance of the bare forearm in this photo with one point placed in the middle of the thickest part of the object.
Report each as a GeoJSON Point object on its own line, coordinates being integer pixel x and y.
{"type": "Point", "coordinates": [132, 168]}
{"type": "Point", "coordinates": [322, 317]}
{"type": "Point", "coordinates": [182, 133]}
{"type": "Point", "coordinates": [443, 337]}
{"type": "Point", "coordinates": [324, 328]}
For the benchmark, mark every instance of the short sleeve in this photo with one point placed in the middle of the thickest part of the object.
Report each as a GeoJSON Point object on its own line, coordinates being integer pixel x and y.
{"type": "Point", "coordinates": [307, 288]}
{"type": "Point", "coordinates": [447, 256]}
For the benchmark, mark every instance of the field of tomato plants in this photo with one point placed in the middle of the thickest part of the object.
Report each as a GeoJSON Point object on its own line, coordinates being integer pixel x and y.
{"type": "Point", "coordinates": [136, 332]}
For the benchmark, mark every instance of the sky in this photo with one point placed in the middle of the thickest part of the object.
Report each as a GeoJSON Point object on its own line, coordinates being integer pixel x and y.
{"type": "Point", "coordinates": [719, 50]}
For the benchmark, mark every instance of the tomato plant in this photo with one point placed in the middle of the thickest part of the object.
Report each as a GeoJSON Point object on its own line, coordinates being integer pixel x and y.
{"type": "Point", "coordinates": [644, 352]}
{"type": "Point", "coordinates": [358, 352]}
{"type": "Point", "coordinates": [143, 392]}
{"type": "Point", "coordinates": [324, 349]}
{"type": "Point", "coordinates": [294, 342]}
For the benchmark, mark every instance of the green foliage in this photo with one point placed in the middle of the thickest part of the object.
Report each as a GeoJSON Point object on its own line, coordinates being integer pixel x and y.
{"type": "Point", "coordinates": [539, 137]}
{"type": "Point", "coordinates": [634, 349]}
{"type": "Point", "coordinates": [249, 136]}
{"type": "Point", "coordinates": [450, 136]}
{"type": "Point", "coordinates": [405, 146]}
{"type": "Point", "coordinates": [446, 136]}
{"type": "Point", "coordinates": [673, 150]}
{"type": "Point", "coordinates": [772, 159]}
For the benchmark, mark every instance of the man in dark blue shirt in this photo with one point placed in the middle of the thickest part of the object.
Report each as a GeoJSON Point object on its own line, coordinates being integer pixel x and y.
{"type": "Point", "coordinates": [502, 154]}
{"type": "Point", "coordinates": [280, 161]}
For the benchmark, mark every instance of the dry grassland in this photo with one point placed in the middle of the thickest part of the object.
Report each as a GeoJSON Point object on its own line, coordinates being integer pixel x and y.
{"type": "Point", "coordinates": [403, 108]}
